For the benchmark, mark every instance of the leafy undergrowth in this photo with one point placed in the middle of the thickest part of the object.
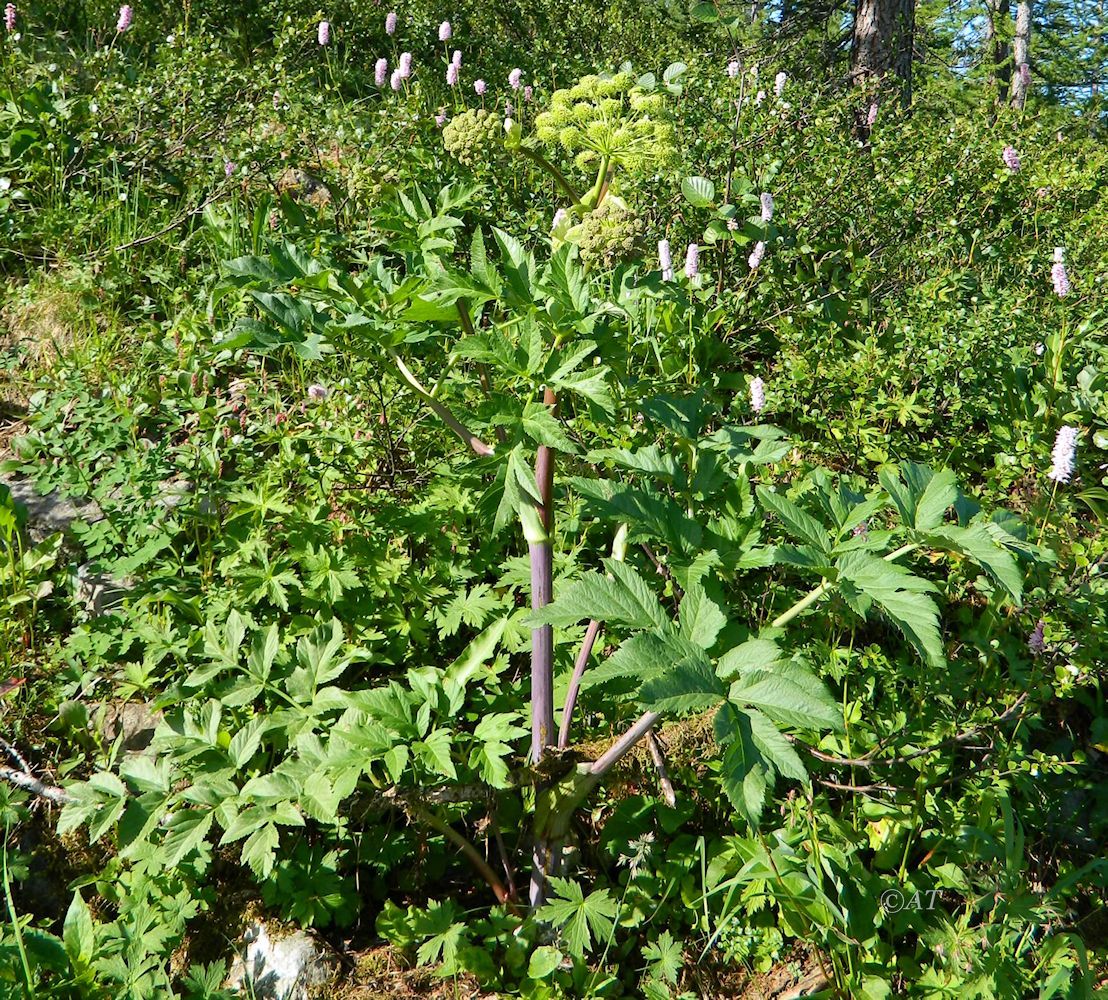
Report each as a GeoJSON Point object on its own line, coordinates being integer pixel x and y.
{"type": "Point", "coordinates": [645, 542]}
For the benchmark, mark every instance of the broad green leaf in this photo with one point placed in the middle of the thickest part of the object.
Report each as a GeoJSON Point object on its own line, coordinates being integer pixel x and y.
{"type": "Point", "coordinates": [938, 495]}
{"type": "Point", "coordinates": [623, 599]}
{"type": "Point", "coordinates": [788, 698]}
{"type": "Point", "coordinates": [185, 831]}
{"type": "Point", "coordinates": [434, 751]}
{"type": "Point", "coordinates": [743, 772]}
{"type": "Point", "coordinates": [543, 427]}
{"type": "Point", "coordinates": [544, 960]}
{"type": "Point", "coordinates": [578, 917]}
{"type": "Point", "coordinates": [773, 746]}
{"type": "Point", "coordinates": [690, 686]}
{"type": "Point", "coordinates": [901, 595]}
{"type": "Point", "coordinates": [977, 543]}
{"type": "Point", "coordinates": [754, 654]}
{"type": "Point", "coordinates": [643, 656]}
{"type": "Point", "coordinates": [701, 618]}
{"type": "Point", "coordinates": [79, 933]}
{"type": "Point", "coordinates": [799, 524]}
{"type": "Point", "coordinates": [698, 191]}
{"type": "Point", "coordinates": [259, 850]}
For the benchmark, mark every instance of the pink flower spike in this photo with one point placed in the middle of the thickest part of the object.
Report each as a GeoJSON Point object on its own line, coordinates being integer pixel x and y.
{"type": "Point", "coordinates": [126, 16]}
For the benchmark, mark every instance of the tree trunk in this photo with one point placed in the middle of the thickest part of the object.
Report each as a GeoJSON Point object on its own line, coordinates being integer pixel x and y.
{"type": "Point", "coordinates": [999, 15]}
{"type": "Point", "coordinates": [884, 35]}
{"type": "Point", "coordinates": [1021, 79]}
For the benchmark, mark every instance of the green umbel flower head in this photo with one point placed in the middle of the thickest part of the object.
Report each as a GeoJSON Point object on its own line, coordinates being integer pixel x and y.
{"type": "Point", "coordinates": [608, 235]}
{"type": "Point", "coordinates": [473, 135]}
{"type": "Point", "coordinates": [609, 117]}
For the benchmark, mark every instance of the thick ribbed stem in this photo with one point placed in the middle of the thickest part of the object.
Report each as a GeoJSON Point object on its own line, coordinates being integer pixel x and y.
{"type": "Point", "coordinates": [542, 653]}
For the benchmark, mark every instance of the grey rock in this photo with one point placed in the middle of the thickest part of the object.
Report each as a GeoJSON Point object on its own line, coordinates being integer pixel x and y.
{"type": "Point", "coordinates": [135, 720]}
{"type": "Point", "coordinates": [99, 592]}
{"type": "Point", "coordinates": [275, 966]}
{"type": "Point", "coordinates": [50, 512]}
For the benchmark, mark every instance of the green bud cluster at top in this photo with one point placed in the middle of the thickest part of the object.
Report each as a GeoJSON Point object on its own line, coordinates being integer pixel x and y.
{"type": "Point", "coordinates": [609, 234]}
{"type": "Point", "coordinates": [470, 136]}
{"type": "Point", "coordinates": [609, 118]}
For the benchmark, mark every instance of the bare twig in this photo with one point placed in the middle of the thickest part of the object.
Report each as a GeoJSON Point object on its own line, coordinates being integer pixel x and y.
{"type": "Point", "coordinates": [656, 754]}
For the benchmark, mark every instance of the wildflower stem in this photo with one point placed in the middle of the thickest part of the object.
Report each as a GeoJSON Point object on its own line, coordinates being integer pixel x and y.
{"type": "Point", "coordinates": [442, 411]}
{"type": "Point", "coordinates": [814, 595]}
{"type": "Point", "coordinates": [542, 161]}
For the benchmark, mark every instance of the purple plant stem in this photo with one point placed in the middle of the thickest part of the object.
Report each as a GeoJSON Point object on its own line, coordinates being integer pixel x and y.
{"type": "Point", "coordinates": [575, 681]}
{"type": "Point", "coordinates": [542, 653]}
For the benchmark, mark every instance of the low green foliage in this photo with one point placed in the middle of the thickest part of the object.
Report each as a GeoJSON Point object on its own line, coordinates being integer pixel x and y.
{"type": "Point", "coordinates": [353, 392]}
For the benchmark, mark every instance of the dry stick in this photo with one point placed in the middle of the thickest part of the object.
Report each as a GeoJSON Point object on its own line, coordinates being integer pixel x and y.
{"type": "Point", "coordinates": [442, 411]}
{"type": "Point", "coordinates": [31, 784]}
{"type": "Point", "coordinates": [23, 778]}
{"type": "Point", "coordinates": [471, 852]}
{"type": "Point", "coordinates": [659, 759]}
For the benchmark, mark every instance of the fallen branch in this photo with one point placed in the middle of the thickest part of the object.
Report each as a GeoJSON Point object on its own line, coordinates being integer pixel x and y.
{"type": "Point", "coordinates": [23, 778]}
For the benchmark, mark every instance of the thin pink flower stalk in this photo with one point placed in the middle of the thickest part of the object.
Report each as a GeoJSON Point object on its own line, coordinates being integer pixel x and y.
{"type": "Point", "coordinates": [126, 16]}
{"type": "Point", "coordinates": [767, 206]}
{"type": "Point", "coordinates": [324, 33]}
{"type": "Point", "coordinates": [445, 32]}
{"type": "Point", "coordinates": [515, 78]}
{"type": "Point", "coordinates": [228, 168]}
{"type": "Point", "coordinates": [381, 72]}
{"type": "Point", "coordinates": [390, 23]}
{"type": "Point", "coordinates": [1011, 159]}
{"type": "Point", "coordinates": [692, 261]}
{"type": "Point", "coordinates": [9, 17]}
{"type": "Point", "coordinates": [757, 395]}
{"type": "Point", "coordinates": [396, 81]}
{"type": "Point", "coordinates": [480, 87]}
{"type": "Point", "coordinates": [440, 118]}
{"type": "Point", "coordinates": [404, 68]}
{"type": "Point", "coordinates": [779, 82]}
{"type": "Point", "coordinates": [733, 68]}
{"type": "Point", "coordinates": [456, 58]}
{"type": "Point", "coordinates": [1064, 455]}
{"type": "Point", "coordinates": [452, 73]}
{"type": "Point", "coordinates": [528, 93]}
{"type": "Point", "coordinates": [871, 115]}
{"type": "Point", "coordinates": [1058, 274]}
{"type": "Point", "coordinates": [665, 260]}
{"type": "Point", "coordinates": [756, 255]}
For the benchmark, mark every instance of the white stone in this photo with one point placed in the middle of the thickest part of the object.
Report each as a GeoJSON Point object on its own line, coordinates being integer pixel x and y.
{"type": "Point", "coordinates": [272, 966]}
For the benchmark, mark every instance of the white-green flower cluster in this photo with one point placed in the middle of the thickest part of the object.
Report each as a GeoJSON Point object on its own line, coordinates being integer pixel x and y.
{"type": "Point", "coordinates": [609, 235]}
{"type": "Point", "coordinates": [472, 135]}
{"type": "Point", "coordinates": [612, 118]}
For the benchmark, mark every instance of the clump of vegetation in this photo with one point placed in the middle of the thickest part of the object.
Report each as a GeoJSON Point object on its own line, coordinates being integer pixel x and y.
{"type": "Point", "coordinates": [472, 583]}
